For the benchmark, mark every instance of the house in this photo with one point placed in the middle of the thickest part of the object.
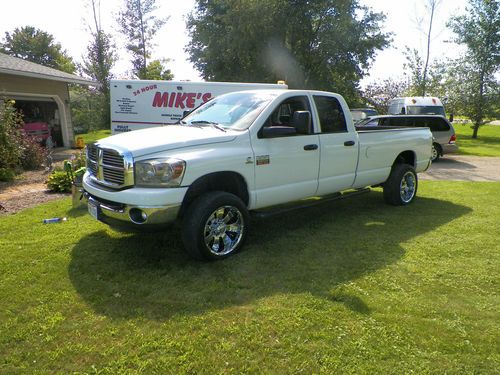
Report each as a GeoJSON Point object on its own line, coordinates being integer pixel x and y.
{"type": "Point", "coordinates": [41, 93]}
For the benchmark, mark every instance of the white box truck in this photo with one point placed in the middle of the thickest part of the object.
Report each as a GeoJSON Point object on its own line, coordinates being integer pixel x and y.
{"type": "Point", "coordinates": [141, 104]}
{"type": "Point", "coordinates": [416, 105]}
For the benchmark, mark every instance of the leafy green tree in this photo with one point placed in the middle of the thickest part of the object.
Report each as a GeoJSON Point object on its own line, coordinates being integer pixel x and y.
{"type": "Point", "coordinates": [414, 68]}
{"type": "Point", "coordinates": [87, 108]}
{"type": "Point", "coordinates": [139, 26]}
{"type": "Point", "coordinates": [100, 58]}
{"type": "Point", "coordinates": [29, 43]}
{"type": "Point", "coordinates": [156, 71]}
{"type": "Point", "coordinates": [326, 44]}
{"type": "Point", "coordinates": [422, 80]}
{"type": "Point", "coordinates": [478, 29]}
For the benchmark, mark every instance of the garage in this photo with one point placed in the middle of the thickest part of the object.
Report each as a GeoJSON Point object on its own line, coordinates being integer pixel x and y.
{"type": "Point", "coordinates": [41, 95]}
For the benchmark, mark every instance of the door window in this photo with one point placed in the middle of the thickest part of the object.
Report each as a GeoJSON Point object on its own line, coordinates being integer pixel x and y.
{"type": "Point", "coordinates": [331, 116]}
{"type": "Point", "coordinates": [287, 114]}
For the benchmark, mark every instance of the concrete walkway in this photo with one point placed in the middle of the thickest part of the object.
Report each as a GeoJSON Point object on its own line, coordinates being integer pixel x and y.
{"type": "Point", "coordinates": [464, 168]}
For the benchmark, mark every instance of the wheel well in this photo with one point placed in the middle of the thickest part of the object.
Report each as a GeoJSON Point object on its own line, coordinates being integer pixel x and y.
{"type": "Point", "coordinates": [406, 157]}
{"type": "Point", "coordinates": [438, 148]}
{"type": "Point", "coordinates": [230, 182]}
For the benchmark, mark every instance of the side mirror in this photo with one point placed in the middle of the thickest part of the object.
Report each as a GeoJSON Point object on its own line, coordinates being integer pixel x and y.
{"type": "Point", "coordinates": [301, 121]}
{"type": "Point", "coordinates": [451, 117]}
{"type": "Point", "coordinates": [278, 131]}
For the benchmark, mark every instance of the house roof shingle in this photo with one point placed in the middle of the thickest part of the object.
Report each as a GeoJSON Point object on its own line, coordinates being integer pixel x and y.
{"type": "Point", "coordinates": [15, 66]}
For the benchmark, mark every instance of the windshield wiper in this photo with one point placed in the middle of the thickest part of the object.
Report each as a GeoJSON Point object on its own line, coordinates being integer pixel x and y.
{"type": "Point", "coordinates": [204, 122]}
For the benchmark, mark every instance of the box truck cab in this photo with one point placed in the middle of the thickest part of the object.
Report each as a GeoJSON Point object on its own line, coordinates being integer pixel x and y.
{"type": "Point", "coordinates": [416, 105]}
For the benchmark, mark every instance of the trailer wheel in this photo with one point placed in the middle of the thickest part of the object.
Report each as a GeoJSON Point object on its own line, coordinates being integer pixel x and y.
{"type": "Point", "coordinates": [401, 187]}
{"type": "Point", "coordinates": [215, 226]}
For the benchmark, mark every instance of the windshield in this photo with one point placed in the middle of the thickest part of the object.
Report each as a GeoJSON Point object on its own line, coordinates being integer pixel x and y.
{"type": "Point", "coordinates": [233, 111]}
{"type": "Point", "coordinates": [361, 114]}
{"type": "Point", "coordinates": [425, 110]}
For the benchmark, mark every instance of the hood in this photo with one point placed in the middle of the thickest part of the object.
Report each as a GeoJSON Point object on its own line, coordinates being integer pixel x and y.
{"type": "Point", "coordinates": [149, 141]}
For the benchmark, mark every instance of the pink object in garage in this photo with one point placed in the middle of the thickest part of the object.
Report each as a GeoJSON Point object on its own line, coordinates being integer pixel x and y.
{"type": "Point", "coordinates": [39, 130]}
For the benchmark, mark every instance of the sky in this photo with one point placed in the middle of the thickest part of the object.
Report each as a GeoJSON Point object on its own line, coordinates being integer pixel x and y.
{"type": "Point", "coordinates": [67, 21]}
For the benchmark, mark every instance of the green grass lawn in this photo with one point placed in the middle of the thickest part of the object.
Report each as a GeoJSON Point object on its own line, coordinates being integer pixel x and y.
{"type": "Point", "coordinates": [352, 286]}
{"type": "Point", "coordinates": [487, 143]}
{"type": "Point", "coordinates": [94, 136]}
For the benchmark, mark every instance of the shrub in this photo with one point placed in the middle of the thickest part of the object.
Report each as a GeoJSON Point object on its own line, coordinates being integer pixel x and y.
{"type": "Point", "coordinates": [7, 174]}
{"type": "Point", "coordinates": [34, 155]}
{"type": "Point", "coordinates": [11, 149]}
{"type": "Point", "coordinates": [59, 182]}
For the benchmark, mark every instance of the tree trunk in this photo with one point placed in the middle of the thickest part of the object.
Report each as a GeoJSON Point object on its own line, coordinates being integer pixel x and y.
{"type": "Point", "coordinates": [424, 75]}
{"type": "Point", "coordinates": [476, 128]}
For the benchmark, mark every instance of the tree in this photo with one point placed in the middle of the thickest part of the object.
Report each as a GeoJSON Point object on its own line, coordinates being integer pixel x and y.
{"type": "Point", "coordinates": [156, 71]}
{"type": "Point", "coordinates": [479, 29]}
{"type": "Point", "coordinates": [431, 7]}
{"type": "Point", "coordinates": [379, 93]}
{"type": "Point", "coordinates": [139, 25]}
{"type": "Point", "coordinates": [324, 44]}
{"type": "Point", "coordinates": [88, 107]}
{"type": "Point", "coordinates": [461, 89]}
{"type": "Point", "coordinates": [420, 83]}
{"type": "Point", "coordinates": [414, 71]}
{"type": "Point", "coordinates": [419, 66]}
{"type": "Point", "coordinates": [29, 43]}
{"type": "Point", "coordinates": [100, 58]}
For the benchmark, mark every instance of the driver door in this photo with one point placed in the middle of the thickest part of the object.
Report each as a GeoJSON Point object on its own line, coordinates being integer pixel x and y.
{"type": "Point", "coordinates": [286, 161]}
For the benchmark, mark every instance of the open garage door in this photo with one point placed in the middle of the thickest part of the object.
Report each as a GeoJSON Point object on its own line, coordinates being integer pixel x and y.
{"type": "Point", "coordinates": [41, 110]}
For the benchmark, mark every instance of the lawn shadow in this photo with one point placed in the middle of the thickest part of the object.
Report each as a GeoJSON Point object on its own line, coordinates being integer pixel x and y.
{"type": "Point", "coordinates": [78, 211]}
{"type": "Point", "coordinates": [315, 251]}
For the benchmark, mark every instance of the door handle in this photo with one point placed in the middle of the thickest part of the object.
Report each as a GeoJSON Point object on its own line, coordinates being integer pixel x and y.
{"type": "Point", "coordinates": [349, 143]}
{"type": "Point", "coordinates": [310, 147]}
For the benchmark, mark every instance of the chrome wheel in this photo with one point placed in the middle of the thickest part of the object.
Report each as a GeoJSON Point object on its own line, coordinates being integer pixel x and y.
{"type": "Point", "coordinates": [434, 153]}
{"type": "Point", "coordinates": [223, 230]}
{"type": "Point", "coordinates": [408, 186]}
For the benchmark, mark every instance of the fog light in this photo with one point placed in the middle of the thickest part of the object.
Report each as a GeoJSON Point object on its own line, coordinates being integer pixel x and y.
{"type": "Point", "coordinates": [137, 216]}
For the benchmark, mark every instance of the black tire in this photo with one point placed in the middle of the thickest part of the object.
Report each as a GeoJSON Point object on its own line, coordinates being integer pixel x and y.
{"type": "Point", "coordinates": [435, 152]}
{"type": "Point", "coordinates": [206, 227]}
{"type": "Point", "coordinates": [401, 187]}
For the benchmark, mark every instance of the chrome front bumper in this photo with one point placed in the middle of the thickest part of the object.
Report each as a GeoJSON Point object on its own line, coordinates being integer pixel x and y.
{"type": "Point", "coordinates": [138, 215]}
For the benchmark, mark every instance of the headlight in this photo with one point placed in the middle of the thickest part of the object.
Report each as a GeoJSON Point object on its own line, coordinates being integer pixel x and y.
{"type": "Point", "coordinates": [159, 172]}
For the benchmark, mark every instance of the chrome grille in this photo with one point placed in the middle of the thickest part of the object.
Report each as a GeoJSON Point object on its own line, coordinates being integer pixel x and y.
{"type": "Point", "coordinates": [112, 167]}
{"type": "Point", "coordinates": [92, 159]}
{"type": "Point", "coordinates": [109, 167]}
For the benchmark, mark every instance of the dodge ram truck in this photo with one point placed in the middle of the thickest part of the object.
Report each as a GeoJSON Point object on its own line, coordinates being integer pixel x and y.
{"type": "Point", "coordinates": [240, 153]}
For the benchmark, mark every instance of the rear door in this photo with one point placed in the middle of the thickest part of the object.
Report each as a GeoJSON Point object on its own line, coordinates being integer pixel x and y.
{"type": "Point", "coordinates": [339, 147]}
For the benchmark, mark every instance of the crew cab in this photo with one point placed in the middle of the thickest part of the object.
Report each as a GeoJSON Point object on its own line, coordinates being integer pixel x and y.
{"type": "Point", "coordinates": [242, 152]}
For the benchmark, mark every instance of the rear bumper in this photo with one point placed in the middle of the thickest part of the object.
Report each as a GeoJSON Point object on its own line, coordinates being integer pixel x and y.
{"type": "Point", "coordinates": [449, 148]}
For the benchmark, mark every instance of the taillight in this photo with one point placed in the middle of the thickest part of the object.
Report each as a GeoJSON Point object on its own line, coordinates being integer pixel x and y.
{"type": "Point", "coordinates": [453, 139]}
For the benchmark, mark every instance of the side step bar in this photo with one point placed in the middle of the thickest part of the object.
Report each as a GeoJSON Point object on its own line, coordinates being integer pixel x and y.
{"type": "Point", "coordinates": [306, 203]}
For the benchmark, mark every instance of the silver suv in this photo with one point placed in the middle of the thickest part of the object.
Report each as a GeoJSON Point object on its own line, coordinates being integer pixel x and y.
{"type": "Point", "coordinates": [444, 138]}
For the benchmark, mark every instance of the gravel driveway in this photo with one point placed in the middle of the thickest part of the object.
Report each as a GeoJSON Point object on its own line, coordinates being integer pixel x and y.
{"type": "Point", "coordinates": [464, 168]}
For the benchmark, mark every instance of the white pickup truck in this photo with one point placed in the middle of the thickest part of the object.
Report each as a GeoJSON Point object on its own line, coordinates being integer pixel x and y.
{"type": "Point", "coordinates": [242, 152]}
